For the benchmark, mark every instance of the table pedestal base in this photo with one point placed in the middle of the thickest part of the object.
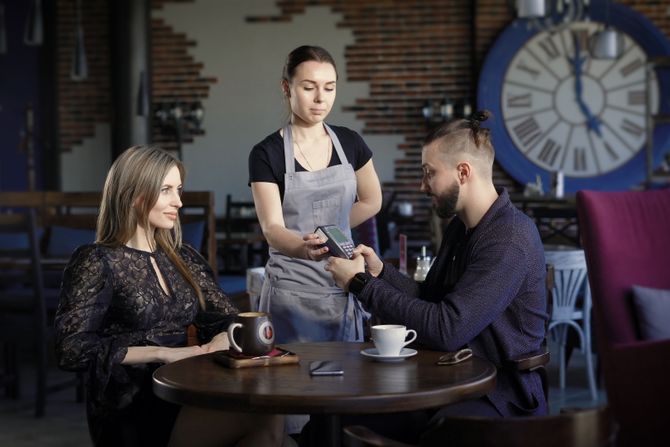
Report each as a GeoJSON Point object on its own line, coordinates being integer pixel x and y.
{"type": "Point", "coordinates": [325, 430]}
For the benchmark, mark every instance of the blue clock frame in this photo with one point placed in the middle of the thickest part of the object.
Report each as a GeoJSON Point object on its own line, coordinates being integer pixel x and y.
{"type": "Point", "coordinates": [490, 87]}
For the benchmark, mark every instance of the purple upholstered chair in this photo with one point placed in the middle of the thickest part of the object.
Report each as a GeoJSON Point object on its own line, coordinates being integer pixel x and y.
{"type": "Point", "coordinates": [626, 237]}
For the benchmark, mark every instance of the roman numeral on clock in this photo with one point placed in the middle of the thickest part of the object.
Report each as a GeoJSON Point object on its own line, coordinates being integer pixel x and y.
{"type": "Point", "coordinates": [637, 98]}
{"type": "Point", "coordinates": [582, 36]}
{"type": "Point", "coordinates": [550, 48]}
{"type": "Point", "coordinates": [632, 128]}
{"type": "Point", "coordinates": [549, 152]}
{"type": "Point", "coordinates": [610, 151]}
{"type": "Point", "coordinates": [579, 159]}
{"type": "Point", "coordinates": [525, 100]}
{"type": "Point", "coordinates": [527, 130]}
{"type": "Point", "coordinates": [631, 67]}
{"type": "Point", "coordinates": [533, 72]}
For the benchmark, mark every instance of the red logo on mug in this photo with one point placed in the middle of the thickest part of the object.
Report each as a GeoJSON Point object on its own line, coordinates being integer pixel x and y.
{"type": "Point", "coordinates": [266, 332]}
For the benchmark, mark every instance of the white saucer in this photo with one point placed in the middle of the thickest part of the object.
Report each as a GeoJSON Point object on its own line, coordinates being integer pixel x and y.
{"type": "Point", "coordinates": [374, 354]}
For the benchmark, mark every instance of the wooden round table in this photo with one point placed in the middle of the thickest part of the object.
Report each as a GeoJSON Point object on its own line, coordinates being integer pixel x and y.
{"type": "Point", "coordinates": [367, 386]}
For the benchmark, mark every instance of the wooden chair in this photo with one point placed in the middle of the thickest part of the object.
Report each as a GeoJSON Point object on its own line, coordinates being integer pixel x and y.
{"type": "Point", "coordinates": [243, 238]}
{"type": "Point", "coordinates": [538, 361]}
{"type": "Point", "coordinates": [592, 427]}
{"type": "Point", "coordinates": [198, 206]}
{"type": "Point", "coordinates": [25, 309]}
{"type": "Point", "coordinates": [79, 211]}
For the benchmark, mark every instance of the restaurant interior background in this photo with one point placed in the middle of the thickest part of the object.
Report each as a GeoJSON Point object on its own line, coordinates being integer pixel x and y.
{"type": "Point", "coordinates": [202, 78]}
{"type": "Point", "coordinates": [398, 62]}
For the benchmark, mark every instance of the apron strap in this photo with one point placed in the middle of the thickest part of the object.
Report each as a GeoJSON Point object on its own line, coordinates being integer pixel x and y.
{"type": "Point", "coordinates": [289, 156]}
{"type": "Point", "coordinates": [336, 144]}
{"type": "Point", "coordinates": [288, 150]}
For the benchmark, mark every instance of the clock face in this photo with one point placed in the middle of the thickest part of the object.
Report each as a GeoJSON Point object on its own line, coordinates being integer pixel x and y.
{"type": "Point", "coordinates": [569, 112]}
{"type": "Point", "coordinates": [556, 108]}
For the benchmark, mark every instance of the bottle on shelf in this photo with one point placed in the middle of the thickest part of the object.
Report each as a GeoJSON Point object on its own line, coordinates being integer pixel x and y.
{"type": "Point", "coordinates": [423, 264]}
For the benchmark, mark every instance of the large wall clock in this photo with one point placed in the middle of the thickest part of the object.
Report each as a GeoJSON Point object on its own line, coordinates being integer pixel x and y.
{"type": "Point", "coordinates": [557, 109]}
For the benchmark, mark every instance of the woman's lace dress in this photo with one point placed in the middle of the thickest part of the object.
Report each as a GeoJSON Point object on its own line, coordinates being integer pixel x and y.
{"type": "Point", "coordinates": [111, 299]}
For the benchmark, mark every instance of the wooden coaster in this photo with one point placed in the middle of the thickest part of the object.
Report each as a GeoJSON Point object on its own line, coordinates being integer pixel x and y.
{"type": "Point", "coordinates": [233, 359]}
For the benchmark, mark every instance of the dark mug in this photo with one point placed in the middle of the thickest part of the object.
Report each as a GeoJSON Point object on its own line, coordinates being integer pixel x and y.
{"type": "Point", "coordinates": [256, 335]}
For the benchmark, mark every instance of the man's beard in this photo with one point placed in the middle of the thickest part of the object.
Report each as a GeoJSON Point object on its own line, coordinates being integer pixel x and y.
{"type": "Point", "coordinates": [445, 203]}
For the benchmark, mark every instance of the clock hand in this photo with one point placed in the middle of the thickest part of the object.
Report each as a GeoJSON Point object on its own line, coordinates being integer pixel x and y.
{"type": "Point", "coordinates": [592, 122]}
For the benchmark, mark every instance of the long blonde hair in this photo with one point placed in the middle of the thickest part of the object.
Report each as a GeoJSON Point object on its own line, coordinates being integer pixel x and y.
{"type": "Point", "coordinates": [131, 190]}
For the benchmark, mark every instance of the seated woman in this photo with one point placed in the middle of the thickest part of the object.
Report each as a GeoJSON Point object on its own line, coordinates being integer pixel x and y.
{"type": "Point", "coordinates": [126, 303]}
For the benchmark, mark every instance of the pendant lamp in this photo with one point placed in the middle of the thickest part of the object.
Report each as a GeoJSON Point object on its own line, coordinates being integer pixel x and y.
{"type": "Point", "coordinates": [34, 33]}
{"type": "Point", "coordinates": [607, 43]}
{"type": "Point", "coordinates": [3, 30]}
{"type": "Point", "coordinates": [79, 70]}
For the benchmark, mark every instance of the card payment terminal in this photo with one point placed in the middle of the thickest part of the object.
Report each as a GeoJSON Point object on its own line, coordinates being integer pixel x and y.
{"type": "Point", "coordinates": [337, 242]}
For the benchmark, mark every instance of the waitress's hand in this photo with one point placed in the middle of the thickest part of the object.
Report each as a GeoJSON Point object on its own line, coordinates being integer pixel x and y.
{"type": "Point", "coordinates": [343, 270]}
{"type": "Point", "coordinates": [372, 261]}
{"type": "Point", "coordinates": [314, 248]}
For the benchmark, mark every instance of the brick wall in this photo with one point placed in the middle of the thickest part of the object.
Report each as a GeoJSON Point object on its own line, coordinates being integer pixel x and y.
{"type": "Point", "coordinates": [409, 52]}
{"type": "Point", "coordinates": [176, 75]}
{"type": "Point", "coordinates": [82, 104]}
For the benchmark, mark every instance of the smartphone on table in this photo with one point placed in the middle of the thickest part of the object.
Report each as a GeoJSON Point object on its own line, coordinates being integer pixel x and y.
{"type": "Point", "coordinates": [325, 368]}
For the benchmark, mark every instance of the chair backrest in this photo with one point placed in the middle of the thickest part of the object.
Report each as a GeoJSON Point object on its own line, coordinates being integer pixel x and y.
{"type": "Point", "coordinates": [626, 238]}
{"type": "Point", "coordinates": [240, 216]}
{"type": "Point", "coordinates": [591, 427]}
{"type": "Point", "coordinates": [21, 270]}
{"type": "Point", "coordinates": [580, 428]}
{"type": "Point", "coordinates": [72, 210]}
{"type": "Point", "coordinates": [198, 212]}
{"type": "Point", "coordinates": [569, 280]}
{"type": "Point", "coordinates": [70, 218]}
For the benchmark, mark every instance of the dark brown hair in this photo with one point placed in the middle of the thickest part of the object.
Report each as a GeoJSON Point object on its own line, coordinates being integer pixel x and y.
{"type": "Point", "coordinates": [456, 135]}
{"type": "Point", "coordinates": [302, 54]}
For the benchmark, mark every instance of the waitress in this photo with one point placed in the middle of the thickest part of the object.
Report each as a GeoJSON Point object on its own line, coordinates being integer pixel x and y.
{"type": "Point", "coordinates": [302, 176]}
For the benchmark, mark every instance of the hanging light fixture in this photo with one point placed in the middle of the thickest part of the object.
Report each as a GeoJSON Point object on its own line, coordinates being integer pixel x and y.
{"type": "Point", "coordinates": [427, 111]}
{"type": "Point", "coordinates": [447, 109]}
{"type": "Point", "coordinates": [550, 14]}
{"type": "Point", "coordinates": [529, 9]}
{"type": "Point", "coordinates": [3, 30]}
{"type": "Point", "coordinates": [79, 70]}
{"type": "Point", "coordinates": [607, 43]}
{"type": "Point", "coordinates": [34, 34]}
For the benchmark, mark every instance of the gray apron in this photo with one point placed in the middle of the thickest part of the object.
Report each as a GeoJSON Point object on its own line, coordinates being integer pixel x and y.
{"type": "Point", "coordinates": [301, 296]}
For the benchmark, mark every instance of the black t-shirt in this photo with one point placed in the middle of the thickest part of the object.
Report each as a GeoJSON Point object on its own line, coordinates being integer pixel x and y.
{"type": "Point", "coordinates": [266, 160]}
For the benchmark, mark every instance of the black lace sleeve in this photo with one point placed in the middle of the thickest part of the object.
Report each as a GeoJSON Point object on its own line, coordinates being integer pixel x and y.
{"type": "Point", "coordinates": [85, 296]}
{"type": "Point", "coordinates": [220, 311]}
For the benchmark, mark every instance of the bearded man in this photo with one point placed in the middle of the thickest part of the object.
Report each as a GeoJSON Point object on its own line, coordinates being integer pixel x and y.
{"type": "Point", "coordinates": [486, 289]}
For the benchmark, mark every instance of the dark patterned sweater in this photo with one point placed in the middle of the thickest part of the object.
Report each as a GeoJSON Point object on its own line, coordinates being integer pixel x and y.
{"type": "Point", "coordinates": [486, 290]}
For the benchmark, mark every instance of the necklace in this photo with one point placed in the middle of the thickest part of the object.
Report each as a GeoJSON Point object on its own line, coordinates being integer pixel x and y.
{"type": "Point", "coordinates": [305, 157]}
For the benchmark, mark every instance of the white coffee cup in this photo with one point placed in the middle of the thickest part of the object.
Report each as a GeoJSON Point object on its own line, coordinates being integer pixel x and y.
{"type": "Point", "coordinates": [389, 339]}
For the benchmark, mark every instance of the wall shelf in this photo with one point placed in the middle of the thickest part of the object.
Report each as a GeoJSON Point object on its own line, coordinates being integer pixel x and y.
{"type": "Point", "coordinates": [653, 175]}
